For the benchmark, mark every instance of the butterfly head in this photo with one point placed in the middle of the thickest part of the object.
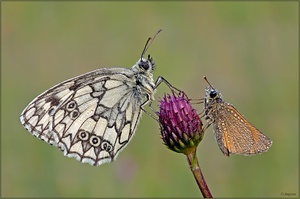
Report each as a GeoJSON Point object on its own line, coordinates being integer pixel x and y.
{"type": "Point", "coordinates": [211, 94]}
{"type": "Point", "coordinates": [145, 65]}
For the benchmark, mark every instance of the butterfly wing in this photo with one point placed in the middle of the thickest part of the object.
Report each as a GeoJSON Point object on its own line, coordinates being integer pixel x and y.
{"type": "Point", "coordinates": [235, 135]}
{"type": "Point", "coordinates": [90, 117]}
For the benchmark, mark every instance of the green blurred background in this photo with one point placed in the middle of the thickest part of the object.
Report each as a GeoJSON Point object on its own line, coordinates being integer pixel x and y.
{"type": "Point", "coordinates": [249, 51]}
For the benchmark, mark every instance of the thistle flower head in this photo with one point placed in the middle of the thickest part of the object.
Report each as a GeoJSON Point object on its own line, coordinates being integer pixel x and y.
{"type": "Point", "coordinates": [180, 124]}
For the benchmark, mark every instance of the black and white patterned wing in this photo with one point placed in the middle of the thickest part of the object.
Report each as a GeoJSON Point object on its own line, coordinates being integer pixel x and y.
{"type": "Point", "coordinates": [90, 117]}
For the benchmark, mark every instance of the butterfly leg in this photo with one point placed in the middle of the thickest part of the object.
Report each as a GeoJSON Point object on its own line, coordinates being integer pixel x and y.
{"type": "Point", "coordinates": [205, 113]}
{"type": "Point", "coordinates": [148, 100]}
{"type": "Point", "coordinates": [206, 126]}
{"type": "Point", "coordinates": [199, 101]}
{"type": "Point", "coordinates": [160, 79]}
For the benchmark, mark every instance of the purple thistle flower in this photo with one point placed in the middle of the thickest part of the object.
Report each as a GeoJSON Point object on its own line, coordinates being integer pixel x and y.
{"type": "Point", "coordinates": [180, 124]}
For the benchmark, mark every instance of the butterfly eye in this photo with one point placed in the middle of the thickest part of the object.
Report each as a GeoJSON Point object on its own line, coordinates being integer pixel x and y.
{"type": "Point", "coordinates": [147, 65]}
{"type": "Point", "coordinates": [144, 65]}
{"type": "Point", "coordinates": [213, 94]}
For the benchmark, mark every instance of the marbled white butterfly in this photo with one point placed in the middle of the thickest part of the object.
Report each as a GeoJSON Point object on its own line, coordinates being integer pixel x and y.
{"type": "Point", "coordinates": [92, 117]}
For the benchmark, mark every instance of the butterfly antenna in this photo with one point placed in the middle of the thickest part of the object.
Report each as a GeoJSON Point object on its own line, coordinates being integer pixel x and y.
{"type": "Point", "coordinates": [204, 77]}
{"type": "Point", "coordinates": [149, 42]}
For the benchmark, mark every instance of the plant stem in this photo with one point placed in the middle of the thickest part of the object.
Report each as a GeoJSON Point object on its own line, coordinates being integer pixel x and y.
{"type": "Point", "coordinates": [195, 168]}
